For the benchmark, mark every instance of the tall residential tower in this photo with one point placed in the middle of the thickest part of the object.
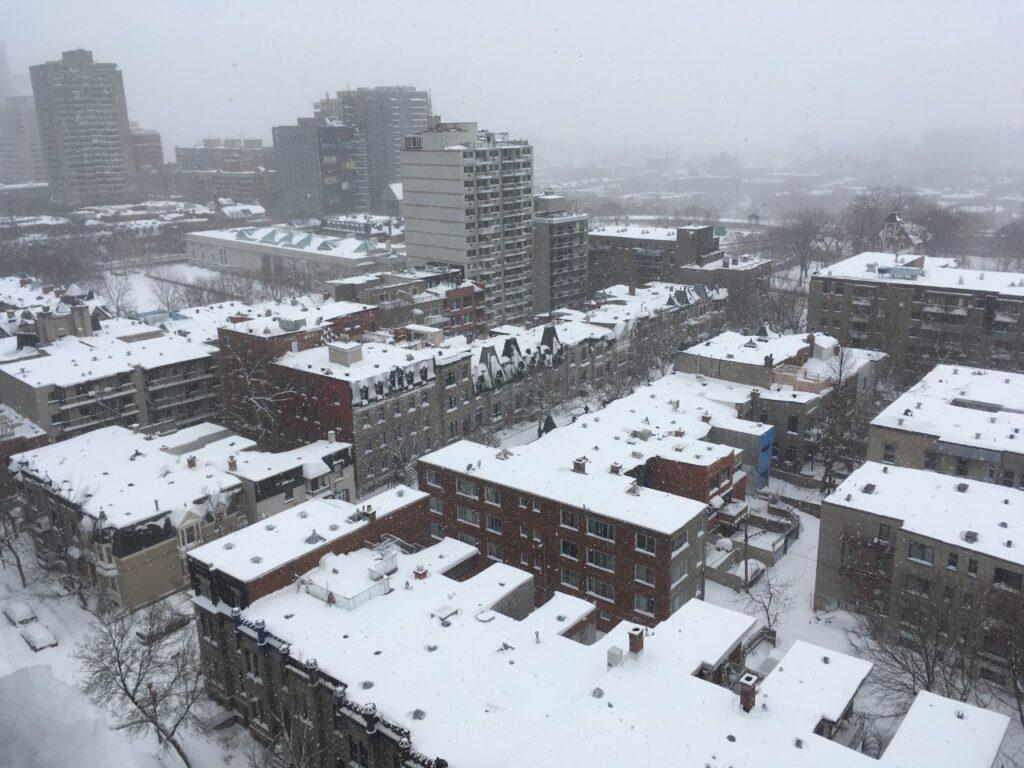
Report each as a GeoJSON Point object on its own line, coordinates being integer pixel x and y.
{"type": "Point", "coordinates": [468, 202]}
{"type": "Point", "coordinates": [83, 127]}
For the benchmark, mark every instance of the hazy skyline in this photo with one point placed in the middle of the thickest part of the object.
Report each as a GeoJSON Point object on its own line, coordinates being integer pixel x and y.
{"type": "Point", "coordinates": [661, 76]}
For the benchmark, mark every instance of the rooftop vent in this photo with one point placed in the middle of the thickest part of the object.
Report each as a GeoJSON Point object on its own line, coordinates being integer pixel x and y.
{"type": "Point", "coordinates": [868, 488]}
{"type": "Point", "coordinates": [961, 487]}
{"type": "Point", "coordinates": [971, 537]}
{"type": "Point", "coordinates": [615, 468]}
{"type": "Point", "coordinates": [580, 465]}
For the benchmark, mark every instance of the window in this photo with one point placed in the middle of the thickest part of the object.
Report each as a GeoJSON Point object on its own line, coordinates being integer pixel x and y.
{"type": "Point", "coordinates": [643, 604]}
{"type": "Point", "coordinates": [645, 543]}
{"type": "Point", "coordinates": [601, 589]}
{"type": "Point", "coordinates": [1008, 477]}
{"type": "Point", "coordinates": [467, 538]}
{"type": "Point", "coordinates": [972, 567]}
{"type": "Point", "coordinates": [921, 552]}
{"type": "Point", "coordinates": [436, 506]}
{"type": "Point", "coordinates": [536, 535]}
{"type": "Point", "coordinates": [436, 531]}
{"type": "Point", "coordinates": [917, 585]}
{"type": "Point", "coordinates": [679, 541]}
{"type": "Point", "coordinates": [492, 496]}
{"type": "Point", "coordinates": [644, 574]}
{"type": "Point", "coordinates": [523, 531]}
{"type": "Point", "coordinates": [931, 460]}
{"type": "Point", "coordinates": [570, 549]}
{"type": "Point", "coordinates": [467, 515]}
{"type": "Point", "coordinates": [289, 493]}
{"type": "Point", "coordinates": [570, 520]}
{"type": "Point", "coordinates": [493, 523]}
{"type": "Point", "coordinates": [961, 466]}
{"type": "Point", "coordinates": [570, 578]}
{"type": "Point", "coordinates": [494, 550]}
{"type": "Point", "coordinates": [793, 424]}
{"type": "Point", "coordinates": [1007, 579]}
{"type": "Point", "coordinates": [883, 532]}
{"type": "Point", "coordinates": [524, 559]}
{"type": "Point", "coordinates": [599, 559]}
{"type": "Point", "coordinates": [600, 528]}
{"type": "Point", "coordinates": [536, 505]}
{"type": "Point", "coordinates": [522, 502]}
{"type": "Point", "coordinates": [679, 570]}
{"type": "Point", "coordinates": [953, 561]}
{"type": "Point", "coordinates": [889, 453]}
{"type": "Point", "coordinates": [434, 478]}
{"type": "Point", "coordinates": [465, 488]}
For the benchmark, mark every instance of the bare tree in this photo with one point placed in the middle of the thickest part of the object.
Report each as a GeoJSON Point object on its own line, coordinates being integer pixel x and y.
{"type": "Point", "coordinates": [254, 394]}
{"type": "Point", "coordinates": [862, 220]}
{"type": "Point", "coordinates": [12, 525]}
{"type": "Point", "coordinates": [147, 678]}
{"type": "Point", "coordinates": [770, 598]}
{"type": "Point", "coordinates": [843, 422]}
{"type": "Point", "coordinates": [918, 641]}
{"type": "Point", "coordinates": [295, 742]}
{"type": "Point", "coordinates": [808, 236]}
{"type": "Point", "coordinates": [116, 287]}
{"type": "Point", "coordinates": [165, 283]}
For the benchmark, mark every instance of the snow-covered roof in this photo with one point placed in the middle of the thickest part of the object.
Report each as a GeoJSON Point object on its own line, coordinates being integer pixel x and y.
{"type": "Point", "coordinates": [438, 658]}
{"type": "Point", "coordinates": [305, 312]}
{"type": "Point", "coordinates": [270, 544]}
{"type": "Point", "coordinates": [964, 406]}
{"type": "Point", "coordinates": [112, 350]}
{"type": "Point", "coordinates": [750, 350]}
{"type": "Point", "coordinates": [128, 477]}
{"type": "Point", "coordinates": [18, 425]}
{"type": "Point", "coordinates": [261, 465]}
{"type": "Point", "coordinates": [932, 505]}
{"type": "Point", "coordinates": [636, 231]}
{"type": "Point", "coordinates": [937, 273]}
{"type": "Point", "coordinates": [376, 363]}
{"type": "Point", "coordinates": [286, 239]}
{"type": "Point", "coordinates": [549, 473]}
{"type": "Point", "coordinates": [735, 263]}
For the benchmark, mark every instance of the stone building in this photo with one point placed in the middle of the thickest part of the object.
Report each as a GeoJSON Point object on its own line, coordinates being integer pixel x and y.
{"type": "Point", "coordinates": [559, 254]}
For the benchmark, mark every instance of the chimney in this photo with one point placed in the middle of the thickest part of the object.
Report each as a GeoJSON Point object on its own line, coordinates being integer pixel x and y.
{"type": "Point", "coordinates": [370, 514]}
{"type": "Point", "coordinates": [636, 640]}
{"type": "Point", "coordinates": [25, 282]}
{"type": "Point", "coordinates": [232, 464]}
{"type": "Point", "coordinates": [192, 462]}
{"type": "Point", "coordinates": [706, 418]}
{"type": "Point", "coordinates": [332, 436]}
{"type": "Point", "coordinates": [420, 572]}
{"type": "Point", "coordinates": [580, 465]}
{"type": "Point", "coordinates": [632, 290]}
{"type": "Point", "coordinates": [748, 691]}
{"type": "Point", "coordinates": [616, 468]}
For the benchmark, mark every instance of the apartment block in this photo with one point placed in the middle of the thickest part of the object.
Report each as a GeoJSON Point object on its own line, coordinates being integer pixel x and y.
{"type": "Point", "coordinates": [224, 155]}
{"type": "Point", "coordinates": [83, 129]}
{"type": "Point", "coordinates": [915, 546]}
{"type": "Point", "coordinates": [118, 510]}
{"type": "Point", "coordinates": [921, 311]}
{"type": "Point", "coordinates": [355, 649]}
{"type": "Point", "coordinates": [21, 153]}
{"type": "Point", "coordinates": [959, 421]}
{"type": "Point", "coordinates": [384, 116]}
{"type": "Point", "coordinates": [17, 434]}
{"type": "Point", "coordinates": [468, 202]}
{"type": "Point", "coordinates": [793, 378]}
{"type": "Point", "coordinates": [559, 254]}
{"type": "Point", "coordinates": [634, 254]}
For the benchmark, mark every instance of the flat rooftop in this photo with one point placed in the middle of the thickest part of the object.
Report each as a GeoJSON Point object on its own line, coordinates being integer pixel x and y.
{"type": "Point", "coordinates": [931, 505]}
{"type": "Point", "coordinates": [287, 239]}
{"type": "Point", "coordinates": [937, 273]}
{"type": "Point", "coordinates": [972, 407]}
{"type": "Point", "coordinates": [272, 543]}
{"type": "Point", "coordinates": [750, 350]}
{"type": "Point", "coordinates": [636, 231]}
{"type": "Point", "coordinates": [438, 658]}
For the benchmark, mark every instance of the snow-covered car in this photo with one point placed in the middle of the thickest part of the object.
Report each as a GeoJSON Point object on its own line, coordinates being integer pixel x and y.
{"type": "Point", "coordinates": [37, 636]}
{"type": "Point", "coordinates": [18, 612]}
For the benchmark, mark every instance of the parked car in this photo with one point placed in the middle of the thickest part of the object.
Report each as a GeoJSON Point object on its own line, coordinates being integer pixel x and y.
{"type": "Point", "coordinates": [37, 636]}
{"type": "Point", "coordinates": [18, 612]}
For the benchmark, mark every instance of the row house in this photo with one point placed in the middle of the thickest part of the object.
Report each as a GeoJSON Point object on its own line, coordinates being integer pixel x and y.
{"type": "Point", "coordinates": [125, 530]}
{"type": "Point", "coordinates": [346, 661]}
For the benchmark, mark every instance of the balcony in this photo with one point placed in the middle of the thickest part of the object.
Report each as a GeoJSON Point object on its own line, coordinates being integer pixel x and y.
{"type": "Point", "coordinates": [182, 378]}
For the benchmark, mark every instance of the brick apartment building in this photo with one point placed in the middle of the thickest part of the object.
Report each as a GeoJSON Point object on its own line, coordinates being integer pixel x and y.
{"type": "Point", "coordinates": [385, 659]}
{"type": "Point", "coordinates": [939, 553]}
{"type": "Point", "coordinates": [921, 311]}
{"type": "Point", "coordinates": [118, 511]}
{"type": "Point", "coordinates": [636, 254]}
{"type": "Point", "coordinates": [959, 421]}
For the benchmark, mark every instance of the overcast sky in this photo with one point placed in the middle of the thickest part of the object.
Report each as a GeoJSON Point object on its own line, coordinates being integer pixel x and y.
{"type": "Point", "coordinates": [677, 76]}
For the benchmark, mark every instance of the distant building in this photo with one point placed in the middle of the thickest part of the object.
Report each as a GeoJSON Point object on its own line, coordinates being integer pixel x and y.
{"type": "Point", "coordinates": [84, 131]}
{"type": "Point", "coordinates": [239, 169]}
{"type": "Point", "coordinates": [321, 169]}
{"type": "Point", "coordinates": [639, 254]}
{"type": "Point", "coordinates": [21, 154]}
{"type": "Point", "coordinates": [960, 421]}
{"type": "Point", "coordinates": [902, 237]}
{"type": "Point", "coordinates": [224, 155]}
{"type": "Point", "coordinates": [147, 148]}
{"type": "Point", "coordinates": [921, 311]}
{"type": "Point", "coordinates": [468, 202]}
{"type": "Point", "coordinates": [384, 116]}
{"type": "Point", "coordinates": [365, 226]}
{"type": "Point", "coordinates": [559, 253]}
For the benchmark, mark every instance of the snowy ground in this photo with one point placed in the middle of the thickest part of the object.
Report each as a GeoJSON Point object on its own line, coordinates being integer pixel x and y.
{"type": "Point", "coordinates": [142, 297]}
{"type": "Point", "coordinates": [39, 698]}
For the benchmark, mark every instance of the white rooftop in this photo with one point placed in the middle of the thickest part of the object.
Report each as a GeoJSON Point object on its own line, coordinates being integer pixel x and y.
{"type": "Point", "coordinates": [750, 350]}
{"type": "Point", "coordinates": [636, 231]}
{"type": "Point", "coordinates": [929, 504]}
{"type": "Point", "coordinates": [18, 425]}
{"type": "Point", "coordinates": [276, 541]}
{"type": "Point", "coordinates": [286, 239]}
{"type": "Point", "coordinates": [965, 406]}
{"type": "Point", "coordinates": [477, 687]}
{"type": "Point", "coordinates": [938, 273]}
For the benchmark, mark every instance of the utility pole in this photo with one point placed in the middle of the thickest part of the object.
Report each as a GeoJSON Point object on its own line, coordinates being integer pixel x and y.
{"type": "Point", "coordinates": [746, 566]}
